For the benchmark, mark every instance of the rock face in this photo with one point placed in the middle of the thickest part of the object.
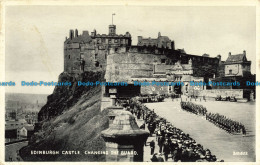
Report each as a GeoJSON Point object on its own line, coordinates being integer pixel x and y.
{"type": "Point", "coordinates": [64, 97]}
{"type": "Point", "coordinates": [70, 121]}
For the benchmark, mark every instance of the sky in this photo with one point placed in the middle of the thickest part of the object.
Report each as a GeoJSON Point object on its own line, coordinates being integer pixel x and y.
{"type": "Point", "coordinates": [35, 35]}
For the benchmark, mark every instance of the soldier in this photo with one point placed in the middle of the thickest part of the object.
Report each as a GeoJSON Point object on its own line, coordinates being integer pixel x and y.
{"type": "Point", "coordinates": [243, 130]}
{"type": "Point", "coordinates": [152, 146]}
{"type": "Point", "coordinates": [166, 149]}
{"type": "Point", "coordinates": [160, 143]}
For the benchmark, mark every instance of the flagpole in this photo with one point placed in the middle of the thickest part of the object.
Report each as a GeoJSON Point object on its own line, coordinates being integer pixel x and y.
{"type": "Point", "coordinates": [112, 17]}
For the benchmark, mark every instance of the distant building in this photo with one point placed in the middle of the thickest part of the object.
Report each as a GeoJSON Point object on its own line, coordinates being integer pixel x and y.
{"type": "Point", "coordinates": [159, 42]}
{"type": "Point", "coordinates": [16, 130]}
{"type": "Point", "coordinates": [15, 110]}
{"type": "Point", "coordinates": [237, 65]}
{"type": "Point", "coordinates": [236, 69]}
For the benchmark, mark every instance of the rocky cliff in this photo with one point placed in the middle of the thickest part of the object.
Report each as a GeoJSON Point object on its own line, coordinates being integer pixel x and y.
{"type": "Point", "coordinates": [70, 121]}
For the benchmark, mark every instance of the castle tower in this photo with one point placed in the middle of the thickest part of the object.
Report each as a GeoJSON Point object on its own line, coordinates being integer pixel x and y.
{"type": "Point", "coordinates": [112, 30]}
{"type": "Point", "coordinates": [76, 33]}
{"type": "Point", "coordinates": [71, 34]}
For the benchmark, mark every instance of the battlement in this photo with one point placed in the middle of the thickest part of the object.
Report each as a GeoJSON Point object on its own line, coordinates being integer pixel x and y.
{"type": "Point", "coordinates": [178, 54]}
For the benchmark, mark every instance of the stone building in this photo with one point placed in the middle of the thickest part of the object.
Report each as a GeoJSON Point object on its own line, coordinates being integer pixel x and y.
{"type": "Point", "coordinates": [152, 59]}
{"type": "Point", "coordinates": [88, 52]}
{"type": "Point", "coordinates": [148, 64]}
{"type": "Point", "coordinates": [236, 68]}
{"type": "Point", "coordinates": [237, 65]}
{"type": "Point", "coordinates": [17, 129]}
{"type": "Point", "coordinates": [159, 42]}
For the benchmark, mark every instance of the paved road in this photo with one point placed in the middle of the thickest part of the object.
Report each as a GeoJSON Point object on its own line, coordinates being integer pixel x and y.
{"type": "Point", "coordinates": [221, 143]}
{"type": "Point", "coordinates": [11, 151]}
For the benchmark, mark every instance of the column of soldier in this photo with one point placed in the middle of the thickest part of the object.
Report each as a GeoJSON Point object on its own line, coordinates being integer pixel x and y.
{"type": "Point", "coordinates": [194, 108]}
{"type": "Point", "coordinates": [172, 142]}
{"type": "Point", "coordinates": [220, 121]}
{"type": "Point", "coordinates": [148, 99]}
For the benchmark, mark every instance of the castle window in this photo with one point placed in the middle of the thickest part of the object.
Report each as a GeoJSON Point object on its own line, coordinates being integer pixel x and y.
{"type": "Point", "coordinates": [97, 64]}
{"type": "Point", "coordinates": [109, 41]}
{"type": "Point", "coordinates": [69, 56]}
{"type": "Point", "coordinates": [230, 71]}
{"type": "Point", "coordinates": [95, 56]}
{"type": "Point", "coordinates": [82, 56]}
{"type": "Point", "coordinates": [116, 40]}
{"type": "Point", "coordinates": [163, 61]}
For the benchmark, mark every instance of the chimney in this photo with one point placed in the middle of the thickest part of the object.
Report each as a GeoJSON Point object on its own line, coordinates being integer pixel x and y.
{"type": "Point", "coordinates": [229, 54]}
{"type": "Point", "coordinates": [71, 34]}
{"type": "Point", "coordinates": [244, 52]}
{"type": "Point", "coordinates": [172, 45]}
{"type": "Point", "coordinates": [76, 33]}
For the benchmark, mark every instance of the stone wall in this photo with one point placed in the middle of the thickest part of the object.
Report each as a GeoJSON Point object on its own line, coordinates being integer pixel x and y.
{"type": "Point", "coordinates": [236, 70]}
{"type": "Point", "coordinates": [238, 93]}
{"type": "Point", "coordinates": [124, 66]}
{"type": "Point", "coordinates": [148, 90]}
{"type": "Point", "coordinates": [71, 60]}
{"type": "Point", "coordinates": [94, 57]}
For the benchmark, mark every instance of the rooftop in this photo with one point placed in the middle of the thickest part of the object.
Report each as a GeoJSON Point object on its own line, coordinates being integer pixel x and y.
{"type": "Point", "coordinates": [236, 58]}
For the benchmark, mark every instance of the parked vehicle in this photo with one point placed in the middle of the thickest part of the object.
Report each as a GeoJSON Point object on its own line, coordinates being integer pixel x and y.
{"type": "Point", "coordinates": [233, 99]}
{"type": "Point", "coordinates": [218, 98]}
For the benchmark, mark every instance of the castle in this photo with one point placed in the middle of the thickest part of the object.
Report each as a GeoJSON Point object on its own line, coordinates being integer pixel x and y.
{"type": "Point", "coordinates": [152, 59]}
{"type": "Point", "coordinates": [87, 52]}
